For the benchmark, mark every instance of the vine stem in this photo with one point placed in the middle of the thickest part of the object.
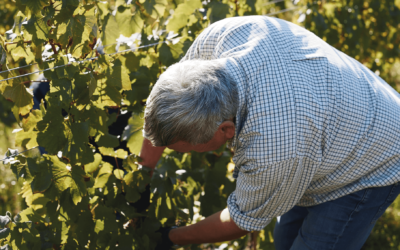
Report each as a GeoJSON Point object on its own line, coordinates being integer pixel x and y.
{"type": "Point", "coordinates": [10, 43]}
{"type": "Point", "coordinates": [17, 42]}
{"type": "Point", "coordinates": [252, 242]}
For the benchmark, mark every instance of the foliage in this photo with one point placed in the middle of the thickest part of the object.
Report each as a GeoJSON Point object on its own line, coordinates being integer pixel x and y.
{"type": "Point", "coordinates": [9, 187]}
{"type": "Point", "coordinates": [87, 191]}
{"type": "Point", "coordinates": [386, 231]}
{"type": "Point", "coordinates": [364, 30]}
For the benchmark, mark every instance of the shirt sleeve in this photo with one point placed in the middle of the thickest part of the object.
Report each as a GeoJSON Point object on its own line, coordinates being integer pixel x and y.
{"type": "Point", "coordinates": [265, 192]}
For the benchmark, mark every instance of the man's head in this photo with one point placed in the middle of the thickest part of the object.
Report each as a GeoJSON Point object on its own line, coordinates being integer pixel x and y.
{"type": "Point", "coordinates": [191, 107]}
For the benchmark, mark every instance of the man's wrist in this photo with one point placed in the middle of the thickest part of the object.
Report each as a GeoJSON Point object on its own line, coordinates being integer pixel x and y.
{"type": "Point", "coordinates": [166, 242]}
{"type": "Point", "coordinates": [174, 246]}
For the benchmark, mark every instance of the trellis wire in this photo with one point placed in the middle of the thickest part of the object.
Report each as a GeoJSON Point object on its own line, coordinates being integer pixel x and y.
{"type": "Point", "coordinates": [21, 67]}
{"type": "Point", "coordinates": [92, 58]}
{"type": "Point", "coordinates": [145, 46]}
{"type": "Point", "coordinates": [79, 62]}
{"type": "Point", "coordinates": [282, 11]}
{"type": "Point", "coordinates": [272, 2]}
{"type": "Point", "coordinates": [13, 155]}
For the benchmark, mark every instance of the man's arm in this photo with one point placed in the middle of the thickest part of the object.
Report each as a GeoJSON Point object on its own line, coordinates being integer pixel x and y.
{"type": "Point", "coordinates": [215, 228]}
{"type": "Point", "coordinates": [149, 154]}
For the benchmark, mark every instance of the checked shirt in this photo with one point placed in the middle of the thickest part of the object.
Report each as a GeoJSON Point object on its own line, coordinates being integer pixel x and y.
{"type": "Point", "coordinates": [313, 124]}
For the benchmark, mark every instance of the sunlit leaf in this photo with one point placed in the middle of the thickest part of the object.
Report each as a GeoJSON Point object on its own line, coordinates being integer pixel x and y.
{"type": "Point", "coordinates": [155, 8]}
{"type": "Point", "coordinates": [182, 13]}
{"type": "Point", "coordinates": [20, 95]}
{"type": "Point", "coordinates": [133, 134]}
{"type": "Point", "coordinates": [110, 34]}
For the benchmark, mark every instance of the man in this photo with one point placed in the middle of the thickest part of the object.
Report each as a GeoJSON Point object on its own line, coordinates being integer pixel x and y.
{"type": "Point", "coordinates": [315, 133]}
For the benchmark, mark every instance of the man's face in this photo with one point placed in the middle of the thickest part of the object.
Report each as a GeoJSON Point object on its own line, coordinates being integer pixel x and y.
{"type": "Point", "coordinates": [184, 147]}
{"type": "Point", "coordinates": [224, 133]}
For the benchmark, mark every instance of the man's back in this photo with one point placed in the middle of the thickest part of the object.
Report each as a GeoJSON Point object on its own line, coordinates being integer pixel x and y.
{"type": "Point", "coordinates": [310, 119]}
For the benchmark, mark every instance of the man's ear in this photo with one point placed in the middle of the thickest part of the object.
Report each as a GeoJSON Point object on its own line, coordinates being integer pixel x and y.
{"type": "Point", "coordinates": [228, 129]}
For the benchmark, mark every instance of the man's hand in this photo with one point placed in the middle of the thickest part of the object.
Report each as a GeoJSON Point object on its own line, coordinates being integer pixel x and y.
{"type": "Point", "coordinates": [215, 228]}
{"type": "Point", "coordinates": [165, 243]}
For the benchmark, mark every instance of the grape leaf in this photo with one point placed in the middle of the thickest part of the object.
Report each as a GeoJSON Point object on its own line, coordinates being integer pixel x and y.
{"type": "Point", "coordinates": [27, 137]}
{"type": "Point", "coordinates": [140, 87]}
{"type": "Point", "coordinates": [182, 13]}
{"type": "Point", "coordinates": [218, 11]}
{"type": "Point", "coordinates": [81, 29]}
{"type": "Point", "coordinates": [103, 175]}
{"type": "Point", "coordinates": [171, 53]}
{"type": "Point", "coordinates": [139, 179]}
{"type": "Point", "coordinates": [29, 122]}
{"type": "Point", "coordinates": [119, 153]}
{"type": "Point", "coordinates": [84, 86]}
{"type": "Point", "coordinates": [133, 134]}
{"type": "Point", "coordinates": [19, 51]}
{"type": "Point", "coordinates": [35, 5]}
{"type": "Point", "coordinates": [105, 94]}
{"type": "Point", "coordinates": [155, 8]}
{"type": "Point", "coordinates": [74, 3]}
{"type": "Point", "coordinates": [118, 76]}
{"type": "Point", "coordinates": [64, 177]}
{"type": "Point", "coordinates": [93, 166]}
{"type": "Point", "coordinates": [20, 95]}
{"type": "Point", "coordinates": [52, 131]}
{"type": "Point", "coordinates": [123, 17]}
{"type": "Point", "coordinates": [110, 33]}
{"type": "Point", "coordinates": [103, 8]}
{"type": "Point", "coordinates": [119, 174]}
{"type": "Point", "coordinates": [42, 181]}
{"type": "Point", "coordinates": [68, 71]}
{"type": "Point", "coordinates": [38, 29]}
{"type": "Point", "coordinates": [77, 148]}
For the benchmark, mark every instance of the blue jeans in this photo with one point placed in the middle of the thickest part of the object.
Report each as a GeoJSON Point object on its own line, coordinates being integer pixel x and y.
{"type": "Point", "coordinates": [344, 223]}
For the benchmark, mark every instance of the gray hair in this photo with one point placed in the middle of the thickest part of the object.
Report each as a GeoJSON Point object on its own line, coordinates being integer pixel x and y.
{"type": "Point", "coordinates": [189, 102]}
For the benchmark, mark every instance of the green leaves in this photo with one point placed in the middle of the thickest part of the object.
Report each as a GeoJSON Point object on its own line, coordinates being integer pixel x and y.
{"type": "Point", "coordinates": [154, 8]}
{"type": "Point", "coordinates": [77, 147]}
{"type": "Point", "coordinates": [218, 11]}
{"type": "Point", "coordinates": [133, 134]}
{"type": "Point", "coordinates": [78, 31]}
{"type": "Point", "coordinates": [28, 135]}
{"type": "Point", "coordinates": [128, 22]}
{"type": "Point", "coordinates": [110, 32]}
{"type": "Point", "coordinates": [103, 176]}
{"type": "Point", "coordinates": [67, 72]}
{"type": "Point", "coordinates": [363, 30]}
{"type": "Point", "coordinates": [41, 182]}
{"type": "Point", "coordinates": [53, 131]}
{"type": "Point", "coordinates": [20, 50]}
{"type": "Point", "coordinates": [181, 14]}
{"type": "Point", "coordinates": [20, 95]}
{"type": "Point", "coordinates": [88, 191]}
{"type": "Point", "coordinates": [35, 6]}
{"type": "Point", "coordinates": [64, 176]}
{"type": "Point", "coordinates": [38, 29]}
{"type": "Point", "coordinates": [117, 75]}
{"type": "Point", "coordinates": [52, 177]}
{"type": "Point", "coordinates": [171, 53]}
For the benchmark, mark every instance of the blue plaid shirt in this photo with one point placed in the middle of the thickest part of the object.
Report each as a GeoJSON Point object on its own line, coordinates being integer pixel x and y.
{"type": "Point", "coordinates": [313, 124]}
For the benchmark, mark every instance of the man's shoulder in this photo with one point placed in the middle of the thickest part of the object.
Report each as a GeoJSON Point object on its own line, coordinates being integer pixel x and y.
{"type": "Point", "coordinates": [232, 24]}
